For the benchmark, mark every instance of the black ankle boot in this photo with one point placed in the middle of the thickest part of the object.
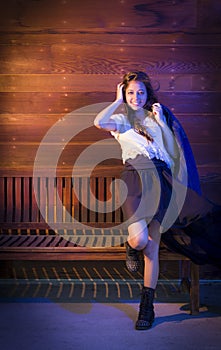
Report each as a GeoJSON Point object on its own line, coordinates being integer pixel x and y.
{"type": "Point", "coordinates": [146, 313]}
{"type": "Point", "coordinates": [132, 258]}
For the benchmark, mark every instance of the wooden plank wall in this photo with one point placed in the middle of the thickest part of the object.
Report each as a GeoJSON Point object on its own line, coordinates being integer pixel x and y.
{"type": "Point", "coordinates": [67, 55]}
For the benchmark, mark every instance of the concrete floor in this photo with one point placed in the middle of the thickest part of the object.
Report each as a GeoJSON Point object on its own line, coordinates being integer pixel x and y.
{"type": "Point", "coordinates": [34, 319]}
{"type": "Point", "coordinates": [42, 325]}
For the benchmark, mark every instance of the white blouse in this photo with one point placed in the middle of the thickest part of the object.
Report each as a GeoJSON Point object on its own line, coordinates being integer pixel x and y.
{"type": "Point", "coordinates": [133, 144]}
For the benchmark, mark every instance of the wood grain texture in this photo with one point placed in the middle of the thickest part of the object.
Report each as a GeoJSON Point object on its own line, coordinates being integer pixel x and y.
{"type": "Point", "coordinates": [68, 58]}
{"type": "Point", "coordinates": [33, 128]}
{"type": "Point", "coordinates": [12, 40]}
{"type": "Point", "coordinates": [98, 15]}
{"type": "Point", "coordinates": [24, 155]}
{"type": "Point", "coordinates": [107, 82]}
{"type": "Point", "coordinates": [198, 102]}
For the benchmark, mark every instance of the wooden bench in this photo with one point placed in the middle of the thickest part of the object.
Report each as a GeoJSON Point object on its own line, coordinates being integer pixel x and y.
{"type": "Point", "coordinates": [44, 219]}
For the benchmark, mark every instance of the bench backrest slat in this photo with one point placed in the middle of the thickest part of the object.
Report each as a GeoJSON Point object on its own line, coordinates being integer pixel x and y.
{"type": "Point", "coordinates": [85, 199]}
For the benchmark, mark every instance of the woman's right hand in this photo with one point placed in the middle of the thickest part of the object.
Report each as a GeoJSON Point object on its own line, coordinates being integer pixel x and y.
{"type": "Point", "coordinates": [119, 95]}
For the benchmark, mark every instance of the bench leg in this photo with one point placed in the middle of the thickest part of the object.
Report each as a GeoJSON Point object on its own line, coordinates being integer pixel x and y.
{"type": "Point", "coordinates": [194, 289]}
{"type": "Point", "coordinates": [185, 275]}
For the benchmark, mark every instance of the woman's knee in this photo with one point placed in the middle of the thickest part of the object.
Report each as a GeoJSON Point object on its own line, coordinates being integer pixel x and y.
{"type": "Point", "coordinates": [138, 243]}
{"type": "Point", "coordinates": [138, 235]}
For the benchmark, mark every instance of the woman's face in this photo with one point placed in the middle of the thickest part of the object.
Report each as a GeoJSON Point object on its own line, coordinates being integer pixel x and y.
{"type": "Point", "coordinates": [136, 95]}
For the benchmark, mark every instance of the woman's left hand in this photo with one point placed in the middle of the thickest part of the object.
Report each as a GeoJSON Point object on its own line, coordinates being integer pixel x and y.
{"type": "Point", "coordinates": [158, 113]}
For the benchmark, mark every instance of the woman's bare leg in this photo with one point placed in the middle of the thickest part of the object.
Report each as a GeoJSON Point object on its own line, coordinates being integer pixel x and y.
{"type": "Point", "coordinates": [148, 240]}
{"type": "Point", "coordinates": [151, 256]}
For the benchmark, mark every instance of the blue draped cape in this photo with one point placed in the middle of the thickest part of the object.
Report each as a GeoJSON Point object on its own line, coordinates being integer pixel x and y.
{"type": "Point", "coordinates": [201, 235]}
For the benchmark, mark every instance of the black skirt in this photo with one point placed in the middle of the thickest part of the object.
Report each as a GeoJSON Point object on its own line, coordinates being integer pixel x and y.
{"type": "Point", "coordinates": [151, 195]}
{"type": "Point", "coordinates": [148, 189]}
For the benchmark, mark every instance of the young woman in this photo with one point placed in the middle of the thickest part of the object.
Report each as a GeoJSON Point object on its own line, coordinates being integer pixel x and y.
{"type": "Point", "coordinates": [154, 151]}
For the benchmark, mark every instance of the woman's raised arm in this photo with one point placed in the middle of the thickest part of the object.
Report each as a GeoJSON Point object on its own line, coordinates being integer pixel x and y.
{"type": "Point", "coordinates": [103, 119]}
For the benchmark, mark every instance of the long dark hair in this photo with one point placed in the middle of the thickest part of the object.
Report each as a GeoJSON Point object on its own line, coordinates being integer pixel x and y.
{"type": "Point", "coordinates": [151, 99]}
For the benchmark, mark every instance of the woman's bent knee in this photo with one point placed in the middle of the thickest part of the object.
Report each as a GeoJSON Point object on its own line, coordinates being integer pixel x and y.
{"type": "Point", "coordinates": [138, 235]}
